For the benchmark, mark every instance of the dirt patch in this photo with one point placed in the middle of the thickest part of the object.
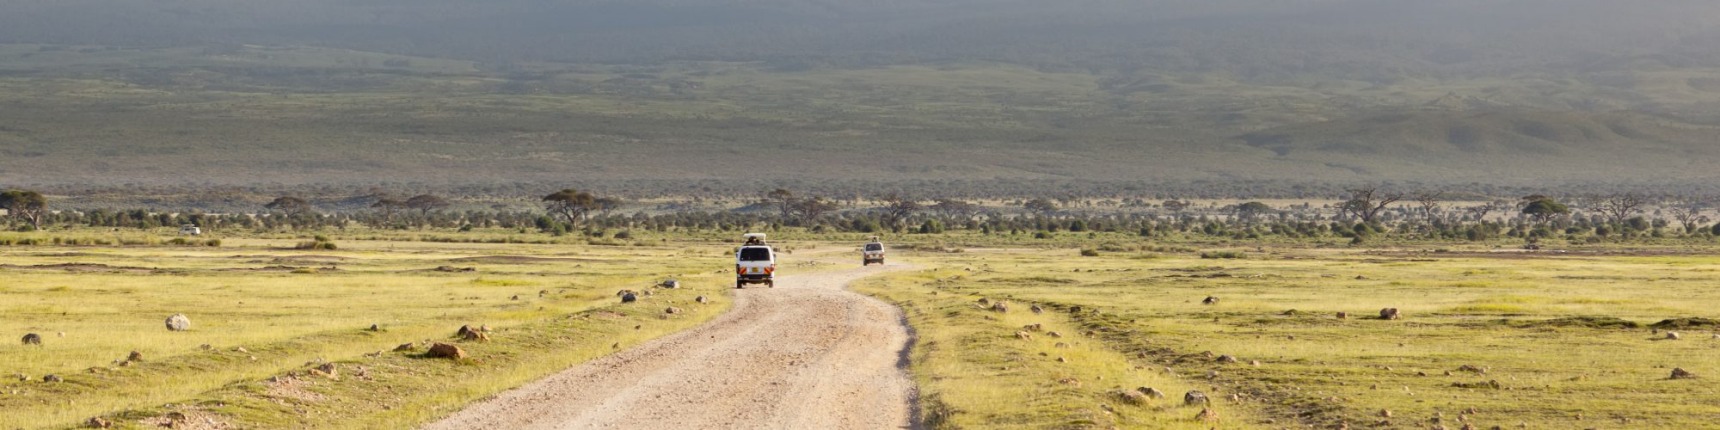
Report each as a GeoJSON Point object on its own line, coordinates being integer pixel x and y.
{"type": "Point", "coordinates": [187, 418]}
{"type": "Point", "coordinates": [1599, 322]}
{"type": "Point", "coordinates": [81, 268]}
{"type": "Point", "coordinates": [1684, 323]}
{"type": "Point", "coordinates": [291, 387]}
{"type": "Point", "coordinates": [520, 259]}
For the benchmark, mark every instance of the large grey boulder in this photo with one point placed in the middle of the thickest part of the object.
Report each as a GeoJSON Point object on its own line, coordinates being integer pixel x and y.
{"type": "Point", "coordinates": [178, 322]}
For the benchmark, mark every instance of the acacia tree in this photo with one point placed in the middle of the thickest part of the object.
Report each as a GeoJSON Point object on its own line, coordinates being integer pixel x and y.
{"type": "Point", "coordinates": [898, 208]}
{"type": "Point", "coordinates": [955, 209]}
{"type": "Point", "coordinates": [784, 200]}
{"type": "Point", "coordinates": [1041, 206]}
{"type": "Point", "coordinates": [1429, 202]}
{"type": "Point", "coordinates": [388, 205]}
{"type": "Point", "coordinates": [1543, 209]}
{"type": "Point", "coordinates": [569, 204]}
{"type": "Point", "coordinates": [809, 209]}
{"type": "Point", "coordinates": [1620, 206]}
{"type": "Point", "coordinates": [1367, 203]}
{"type": "Point", "coordinates": [29, 206]}
{"type": "Point", "coordinates": [425, 203]}
{"type": "Point", "coordinates": [1249, 211]}
{"type": "Point", "coordinates": [289, 204]}
{"type": "Point", "coordinates": [1689, 214]}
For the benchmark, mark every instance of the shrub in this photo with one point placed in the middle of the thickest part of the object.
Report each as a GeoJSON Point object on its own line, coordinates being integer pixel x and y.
{"type": "Point", "coordinates": [1089, 252]}
{"type": "Point", "coordinates": [624, 234]}
{"type": "Point", "coordinates": [1221, 254]}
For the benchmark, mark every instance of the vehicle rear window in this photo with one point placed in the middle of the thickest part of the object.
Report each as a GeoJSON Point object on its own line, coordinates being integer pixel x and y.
{"type": "Point", "coordinates": [874, 247]}
{"type": "Point", "coordinates": [755, 254]}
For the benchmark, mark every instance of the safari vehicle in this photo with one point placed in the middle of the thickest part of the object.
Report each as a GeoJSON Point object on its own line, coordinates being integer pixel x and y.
{"type": "Point", "coordinates": [872, 253]}
{"type": "Point", "coordinates": [755, 262]}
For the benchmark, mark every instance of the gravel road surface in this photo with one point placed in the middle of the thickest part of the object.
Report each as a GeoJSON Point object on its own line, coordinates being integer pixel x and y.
{"type": "Point", "coordinates": [808, 354]}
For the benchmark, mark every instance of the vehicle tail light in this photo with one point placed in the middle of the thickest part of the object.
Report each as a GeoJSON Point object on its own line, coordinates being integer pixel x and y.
{"type": "Point", "coordinates": [769, 269]}
{"type": "Point", "coordinates": [740, 270]}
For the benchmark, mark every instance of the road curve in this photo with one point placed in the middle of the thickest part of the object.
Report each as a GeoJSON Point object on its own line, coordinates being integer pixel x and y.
{"type": "Point", "coordinates": [807, 354]}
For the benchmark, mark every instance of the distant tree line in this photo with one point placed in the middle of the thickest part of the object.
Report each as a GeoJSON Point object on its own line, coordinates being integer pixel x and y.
{"type": "Point", "coordinates": [1368, 213]}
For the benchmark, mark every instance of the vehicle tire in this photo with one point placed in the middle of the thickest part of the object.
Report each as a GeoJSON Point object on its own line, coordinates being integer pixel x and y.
{"type": "Point", "coordinates": [771, 284]}
{"type": "Point", "coordinates": [740, 284]}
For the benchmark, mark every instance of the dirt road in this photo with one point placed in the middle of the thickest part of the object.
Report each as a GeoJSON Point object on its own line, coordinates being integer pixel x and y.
{"type": "Point", "coordinates": [807, 354]}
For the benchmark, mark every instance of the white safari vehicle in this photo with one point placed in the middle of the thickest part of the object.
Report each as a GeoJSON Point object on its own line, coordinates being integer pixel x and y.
{"type": "Point", "coordinates": [755, 262]}
{"type": "Point", "coordinates": [872, 253]}
{"type": "Point", "coordinates": [190, 230]}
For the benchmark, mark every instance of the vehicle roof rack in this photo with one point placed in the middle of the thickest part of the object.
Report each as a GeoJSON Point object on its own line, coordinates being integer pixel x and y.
{"type": "Point", "coordinates": [754, 238]}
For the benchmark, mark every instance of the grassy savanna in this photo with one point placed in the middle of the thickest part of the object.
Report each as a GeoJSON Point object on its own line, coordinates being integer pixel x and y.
{"type": "Point", "coordinates": [1555, 342]}
{"type": "Point", "coordinates": [261, 310]}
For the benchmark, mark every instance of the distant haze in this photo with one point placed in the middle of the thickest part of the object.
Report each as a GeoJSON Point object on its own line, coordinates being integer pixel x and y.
{"type": "Point", "coordinates": [1346, 90]}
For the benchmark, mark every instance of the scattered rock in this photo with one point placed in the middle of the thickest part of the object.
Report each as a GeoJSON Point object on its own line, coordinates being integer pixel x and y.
{"type": "Point", "coordinates": [1000, 306]}
{"type": "Point", "coordinates": [1035, 327]}
{"type": "Point", "coordinates": [1023, 335]}
{"type": "Point", "coordinates": [464, 331]}
{"type": "Point", "coordinates": [1389, 314]}
{"type": "Point", "coordinates": [1291, 313]}
{"type": "Point", "coordinates": [1070, 382]}
{"type": "Point", "coordinates": [408, 346]}
{"type": "Point", "coordinates": [1060, 359]}
{"type": "Point", "coordinates": [1472, 369]}
{"type": "Point", "coordinates": [484, 328]}
{"type": "Point", "coordinates": [516, 297]}
{"type": "Point", "coordinates": [542, 293]}
{"type": "Point", "coordinates": [629, 297]}
{"type": "Point", "coordinates": [1207, 414]}
{"type": "Point", "coordinates": [374, 327]}
{"type": "Point", "coordinates": [1151, 392]}
{"type": "Point", "coordinates": [672, 310]}
{"type": "Point", "coordinates": [32, 339]}
{"type": "Point", "coordinates": [701, 299]}
{"type": "Point", "coordinates": [1343, 315]}
{"type": "Point", "coordinates": [1195, 398]}
{"type": "Point", "coordinates": [1074, 309]}
{"type": "Point", "coordinates": [206, 347]}
{"type": "Point", "coordinates": [1673, 335]}
{"type": "Point", "coordinates": [671, 284]}
{"type": "Point", "coordinates": [984, 301]}
{"type": "Point", "coordinates": [1491, 384]}
{"type": "Point", "coordinates": [1385, 413]}
{"type": "Point", "coordinates": [1037, 310]}
{"type": "Point", "coordinates": [476, 335]}
{"type": "Point", "coordinates": [1210, 300]}
{"type": "Point", "coordinates": [53, 378]}
{"type": "Point", "coordinates": [134, 356]}
{"type": "Point", "coordinates": [1226, 359]}
{"type": "Point", "coordinates": [1060, 345]}
{"type": "Point", "coordinates": [98, 423]}
{"type": "Point", "coordinates": [1680, 373]}
{"type": "Point", "coordinates": [178, 322]}
{"type": "Point", "coordinates": [1361, 278]}
{"type": "Point", "coordinates": [1255, 363]}
{"type": "Point", "coordinates": [1053, 334]}
{"type": "Point", "coordinates": [327, 370]}
{"type": "Point", "coordinates": [1133, 397]}
{"type": "Point", "coordinates": [443, 350]}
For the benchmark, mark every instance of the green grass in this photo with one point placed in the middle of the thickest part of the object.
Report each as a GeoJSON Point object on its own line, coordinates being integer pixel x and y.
{"type": "Point", "coordinates": [1563, 338]}
{"type": "Point", "coordinates": [287, 308]}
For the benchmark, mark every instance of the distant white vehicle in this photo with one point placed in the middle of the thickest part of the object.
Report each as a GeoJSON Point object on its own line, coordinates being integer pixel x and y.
{"type": "Point", "coordinates": [755, 262]}
{"type": "Point", "coordinates": [190, 230]}
{"type": "Point", "coordinates": [872, 253]}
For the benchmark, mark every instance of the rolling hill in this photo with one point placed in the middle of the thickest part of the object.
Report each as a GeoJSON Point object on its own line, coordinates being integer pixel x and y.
{"type": "Point", "coordinates": [237, 92]}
